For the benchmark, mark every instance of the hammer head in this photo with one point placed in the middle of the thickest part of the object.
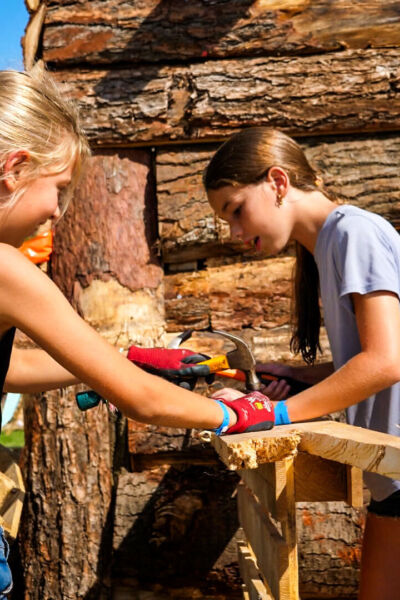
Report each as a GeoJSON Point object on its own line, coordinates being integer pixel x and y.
{"type": "Point", "coordinates": [242, 358]}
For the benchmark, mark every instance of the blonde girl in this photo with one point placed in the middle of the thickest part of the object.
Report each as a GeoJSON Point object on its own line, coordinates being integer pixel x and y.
{"type": "Point", "coordinates": [42, 151]}
{"type": "Point", "coordinates": [261, 183]}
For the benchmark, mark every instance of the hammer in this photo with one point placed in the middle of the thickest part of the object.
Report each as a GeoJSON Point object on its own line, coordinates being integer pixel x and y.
{"type": "Point", "coordinates": [241, 358]}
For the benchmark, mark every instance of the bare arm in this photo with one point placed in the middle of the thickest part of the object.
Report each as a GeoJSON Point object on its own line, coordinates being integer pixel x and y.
{"type": "Point", "coordinates": [30, 301]}
{"type": "Point", "coordinates": [306, 373]}
{"type": "Point", "coordinates": [34, 371]}
{"type": "Point", "coordinates": [375, 368]}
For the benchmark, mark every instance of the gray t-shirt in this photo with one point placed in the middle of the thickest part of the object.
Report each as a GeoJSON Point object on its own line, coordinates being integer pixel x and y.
{"type": "Point", "coordinates": [359, 252]}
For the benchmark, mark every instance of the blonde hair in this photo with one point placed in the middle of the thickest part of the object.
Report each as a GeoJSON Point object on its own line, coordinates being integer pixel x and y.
{"type": "Point", "coordinates": [36, 118]}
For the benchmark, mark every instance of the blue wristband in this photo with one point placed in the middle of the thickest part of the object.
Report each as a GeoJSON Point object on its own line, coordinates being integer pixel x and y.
{"type": "Point", "coordinates": [281, 413]}
{"type": "Point", "coordinates": [225, 421]}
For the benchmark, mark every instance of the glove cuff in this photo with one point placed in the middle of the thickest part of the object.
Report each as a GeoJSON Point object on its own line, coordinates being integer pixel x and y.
{"type": "Point", "coordinates": [281, 413]}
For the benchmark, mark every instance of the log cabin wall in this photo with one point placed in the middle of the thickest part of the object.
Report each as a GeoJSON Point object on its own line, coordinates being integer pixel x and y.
{"type": "Point", "coordinates": [140, 255]}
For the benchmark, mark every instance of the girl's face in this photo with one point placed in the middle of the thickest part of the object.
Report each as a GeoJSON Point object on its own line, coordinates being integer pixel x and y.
{"type": "Point", "coordinates": [38, 203]}
{"type": "Point", "coordinates": [253, 214]}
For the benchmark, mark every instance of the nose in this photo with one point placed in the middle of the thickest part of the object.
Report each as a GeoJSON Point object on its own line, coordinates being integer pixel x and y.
{"type": "Point", "coordinates": [236, 230]}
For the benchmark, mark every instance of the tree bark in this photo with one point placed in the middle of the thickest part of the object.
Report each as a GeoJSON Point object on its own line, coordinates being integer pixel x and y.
{"type": "Point", "coordinates": [152, 31]}
{"type": "Point", "coordinates": [342, 92]}
{"type": "Point", "coordinates": [66, 528]}
{"type": "Point", "coordinates": [104, 264]}
{"type": "Point", "coordinates": [329, 550]}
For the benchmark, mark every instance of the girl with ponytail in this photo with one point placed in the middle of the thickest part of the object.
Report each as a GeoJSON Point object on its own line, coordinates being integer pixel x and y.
{"type": "Point", "coordinates": [261, 183]}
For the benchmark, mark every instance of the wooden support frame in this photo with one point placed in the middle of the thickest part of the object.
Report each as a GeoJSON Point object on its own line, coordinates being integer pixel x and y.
{"type": "Point", "coordinates": [305, 462]}
{"type": "Point", "coordinates": [267, 513]}
{"type": "Point", "coordinates": [255, 588]}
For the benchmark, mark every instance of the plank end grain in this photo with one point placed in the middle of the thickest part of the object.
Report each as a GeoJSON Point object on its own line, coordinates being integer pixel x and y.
{"type": "Point", "coordinates": [249, 450]}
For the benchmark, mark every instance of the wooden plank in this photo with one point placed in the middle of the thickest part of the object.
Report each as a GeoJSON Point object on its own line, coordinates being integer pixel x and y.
{"type": "Point", "coordinates": [355, 496]}
{"type": "Point", "coordinates": [319, 480]}
{"type": "Point", "coordinates": [267, 544]}
{"type": "Point", "coordinates": [269, 483]}
{"type": "Point", "coordinates": [30, 42]}
{"type": "Point", "coordinates": [341, 92]}
{"type": "Point", "coordinates": [368, 450]}
{"type": "Point", "coordinates": [287, 502]}
{"type": "Point", "coordinates": [12, 493]}
{"type": "Point", "coordinates": [150, 30]}
{"type": "Point", "coordinates": [255, 587]}
{"type": "Point", "coordinates": [249, 450]}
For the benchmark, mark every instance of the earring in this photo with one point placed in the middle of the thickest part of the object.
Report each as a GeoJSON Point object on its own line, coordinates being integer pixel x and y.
{"type": "Point", "coordinates": [278, 198]}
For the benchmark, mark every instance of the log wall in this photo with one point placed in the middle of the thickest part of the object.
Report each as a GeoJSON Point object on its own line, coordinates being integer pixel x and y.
{"type": "Point", "coordinates": [141, 256]}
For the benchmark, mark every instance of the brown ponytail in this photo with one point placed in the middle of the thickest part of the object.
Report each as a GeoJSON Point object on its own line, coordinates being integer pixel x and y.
{"type": "Point", "coordinates": [245, 159]}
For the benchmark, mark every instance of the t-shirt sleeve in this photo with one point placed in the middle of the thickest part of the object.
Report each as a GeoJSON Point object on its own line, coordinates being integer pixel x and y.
{"type": "Point", "coordinates": [364, 259]}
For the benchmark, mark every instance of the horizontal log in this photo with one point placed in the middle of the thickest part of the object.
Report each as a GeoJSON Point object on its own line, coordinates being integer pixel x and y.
{"type": "Point", "coordinates": [139, 31]}
{"type": "Point", "coordinates": [329, 539]}
{"type": "Point", "coordinates": [239, 295]}
{"type": "Point", "coordinates": [360, 170]}
{"type": "Point", "coordinates": [266, 344]}
{"type": "Point", "coordinates": [368, 450]}
{"type": "Point", "coordinates": [168, 526]}
{"type": "Point", "coordinates": [345, 92]}
{"type": "Point", "coordinates": [153, 439]}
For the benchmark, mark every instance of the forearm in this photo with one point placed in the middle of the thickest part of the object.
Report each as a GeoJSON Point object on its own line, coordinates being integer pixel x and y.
{"type": "Point", "coordinates": [312, 374]}
{"type": "Point", "coordinates": [160, 402]}
{"type": "Point", "coordinates": [363, 375]}
{"type": "Point", "coordinates": [33, 371]}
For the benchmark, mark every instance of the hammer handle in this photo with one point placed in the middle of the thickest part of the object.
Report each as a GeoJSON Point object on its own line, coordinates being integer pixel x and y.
{"type": "Point", "coordinates": [265, 378]}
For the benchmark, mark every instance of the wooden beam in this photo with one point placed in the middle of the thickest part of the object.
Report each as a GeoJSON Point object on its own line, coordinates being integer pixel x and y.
{"type": "Point", "coordinates": [368, 450]}
{"type": "Point", "coordinates": [319, 480]}
{"type": "Point", "coordinates": [31, 39]}
{"type": "Point", "coordinates": [12, 493]}
{"type": "Point", "coordinates": [342, 92]}
{"type": "Point", "coordinates": [138, 31]}
{"type": "Point", "coordinates": [267, 544]}
{"type": "Point", "coordinates": [315, 480]}
{"type": "Point", "coordinates": [355, 495]}
{"type": "Point", "coordinates": [255, 587]}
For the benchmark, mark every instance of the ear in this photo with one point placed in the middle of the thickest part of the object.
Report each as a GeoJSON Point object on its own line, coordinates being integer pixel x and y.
{"type": "Point", "coordinates": [279, 180]}
{"type": "Point", "coordinates": [12, 168]}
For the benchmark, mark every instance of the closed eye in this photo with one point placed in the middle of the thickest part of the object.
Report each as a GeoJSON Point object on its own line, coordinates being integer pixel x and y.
{"type": "Point", "coordinates": [237, 211]}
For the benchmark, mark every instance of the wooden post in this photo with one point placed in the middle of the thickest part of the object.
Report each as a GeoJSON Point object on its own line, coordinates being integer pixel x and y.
{"type": "Point", "coordinates": [267, 513]}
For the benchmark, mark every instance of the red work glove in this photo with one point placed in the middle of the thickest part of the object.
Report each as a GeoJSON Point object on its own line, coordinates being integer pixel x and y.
{"type": "Point", "coordinates": [177, 365]}
{"type": "Point", "coordinates": [255, 412]}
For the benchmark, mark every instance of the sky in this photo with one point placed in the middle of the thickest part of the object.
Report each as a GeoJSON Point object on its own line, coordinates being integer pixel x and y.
{"type": "Point", "coordinates": [14, 18]}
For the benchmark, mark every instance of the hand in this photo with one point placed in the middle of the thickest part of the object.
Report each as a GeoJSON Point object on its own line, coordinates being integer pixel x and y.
{"type": "Point", "coordinates": [177, 365]}
{"type": "Point", "coordinates": [227, 394]}
{"type": "Point", "coordinates": [285, 383]}
{"type": "Point", "coordinates": [254, 412]}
